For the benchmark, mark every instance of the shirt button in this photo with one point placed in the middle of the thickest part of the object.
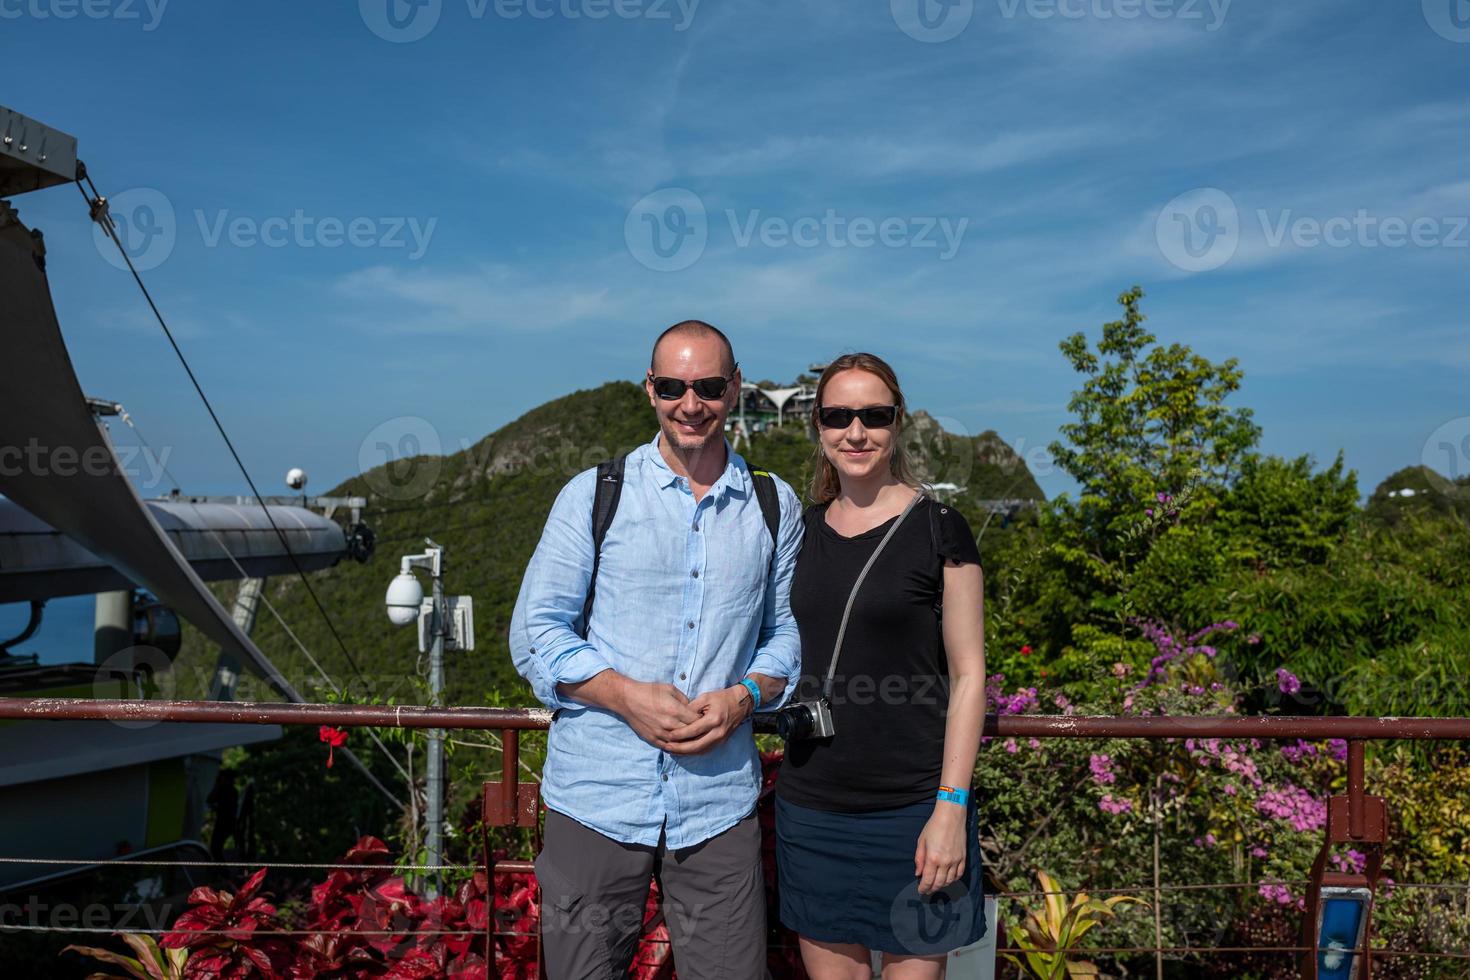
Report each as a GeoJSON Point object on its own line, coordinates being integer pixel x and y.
{"type": "Point", "coordinates": [666, 777]}
{"type": "Point", "coordinates": [683, 676]}
{"type": "Point", "coordinates": [690, 624]}
{"type": "Point", "coordinates": [693, 574]}
{"type": "Point", "coordinates": [696, 525]}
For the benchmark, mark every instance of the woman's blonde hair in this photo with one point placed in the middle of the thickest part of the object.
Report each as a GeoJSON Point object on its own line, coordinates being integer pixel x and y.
{"type": "Point", "coordinates": [825, 484]}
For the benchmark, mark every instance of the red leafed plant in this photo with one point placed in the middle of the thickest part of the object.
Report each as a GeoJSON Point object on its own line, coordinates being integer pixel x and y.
{"type": "Point", "coordinates": [367, 923]}
{"type": "Point", "coordinates": [219, 930]}
{"type": "Point", "coordinates": [364, 923]}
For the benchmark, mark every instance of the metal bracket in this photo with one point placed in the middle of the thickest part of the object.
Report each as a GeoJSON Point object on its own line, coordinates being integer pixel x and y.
{"type": "Point", "coordinates": [500, 811]}
{"type": "Point", "coordinates": [33, 155]}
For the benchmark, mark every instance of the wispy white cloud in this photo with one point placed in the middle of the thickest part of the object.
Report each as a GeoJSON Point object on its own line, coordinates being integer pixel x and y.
{"type": "Point", "coordinates": [885, 155]}
{"type": "Point", "coordinates": [389, 299]}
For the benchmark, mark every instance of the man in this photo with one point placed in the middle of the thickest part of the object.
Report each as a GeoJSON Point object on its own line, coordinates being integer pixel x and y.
{"type": "Point", "coordinates": [651, 767]}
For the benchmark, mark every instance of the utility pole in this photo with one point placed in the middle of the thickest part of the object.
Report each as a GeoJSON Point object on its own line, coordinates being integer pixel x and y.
{"type": "Point", "coordinates": [406, 604]}
{"type": "Point", "coordinates": [445, 623]}
{"type": "Point", "coordinates": [434, 843]}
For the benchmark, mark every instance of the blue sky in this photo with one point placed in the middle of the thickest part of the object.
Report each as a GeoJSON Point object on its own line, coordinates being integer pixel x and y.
{"type": "Point", "coordinates": [500, 170]}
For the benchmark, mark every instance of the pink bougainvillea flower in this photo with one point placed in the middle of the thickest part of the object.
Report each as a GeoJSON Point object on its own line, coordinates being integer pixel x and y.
{"type": "Point", "coordinates": [1276, 892]}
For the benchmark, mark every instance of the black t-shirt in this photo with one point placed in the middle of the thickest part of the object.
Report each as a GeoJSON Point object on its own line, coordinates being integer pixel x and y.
{"type": "Point", "coordinates": [891, 690]}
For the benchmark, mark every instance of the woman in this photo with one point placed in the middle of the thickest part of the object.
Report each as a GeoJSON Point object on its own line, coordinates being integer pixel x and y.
{"type": "Point", "coordinates": [877, 844]}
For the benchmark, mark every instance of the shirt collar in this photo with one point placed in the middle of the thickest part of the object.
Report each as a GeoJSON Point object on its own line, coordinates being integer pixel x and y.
{"type": "Point", "coordinates": [734, 479]}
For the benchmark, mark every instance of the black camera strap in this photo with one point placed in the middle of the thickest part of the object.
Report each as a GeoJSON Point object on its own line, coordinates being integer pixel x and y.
{"type": "Point", "coordinates": [852, 597]}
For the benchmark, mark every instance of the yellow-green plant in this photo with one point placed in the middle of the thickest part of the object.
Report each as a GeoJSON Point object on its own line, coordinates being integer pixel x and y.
{"type": "Point", "coordinates": [153, 962]}
{"type": "Point", "coordinates": [1050, 935]}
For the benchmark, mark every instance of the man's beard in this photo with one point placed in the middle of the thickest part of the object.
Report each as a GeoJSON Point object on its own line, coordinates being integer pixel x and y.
{"type": "Point", "coordinates": [685, 441]}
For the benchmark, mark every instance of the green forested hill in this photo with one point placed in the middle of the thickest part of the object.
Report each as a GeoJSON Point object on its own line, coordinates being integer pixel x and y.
{"type": "Point", "coordinates": [486, 505]}
{"type": "Point", "coordinates": [1421, 491]}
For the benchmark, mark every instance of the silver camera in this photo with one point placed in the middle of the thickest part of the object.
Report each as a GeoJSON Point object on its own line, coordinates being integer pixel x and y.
{"type": "Point", "coordinates": [805, 719]}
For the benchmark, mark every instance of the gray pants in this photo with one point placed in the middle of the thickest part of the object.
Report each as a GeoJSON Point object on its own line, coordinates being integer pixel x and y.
{"type": "Point", "coordinates": [593, 892]}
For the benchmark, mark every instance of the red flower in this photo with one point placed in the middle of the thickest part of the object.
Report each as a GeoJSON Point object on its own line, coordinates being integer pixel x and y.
{"type": "Point", "coordinates": [334, 737]}
{"type": "Point", "coordinates": [1025, 649]}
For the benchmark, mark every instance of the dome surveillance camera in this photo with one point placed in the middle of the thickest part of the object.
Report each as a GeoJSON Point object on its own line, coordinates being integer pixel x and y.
{"type": "Point", "coordinates": [405, 594]}
{"type": "Point", "coordinates": [296, 478]}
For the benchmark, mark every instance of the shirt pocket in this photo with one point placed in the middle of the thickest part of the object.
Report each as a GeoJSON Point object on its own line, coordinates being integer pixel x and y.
{"type": "Point", "coordinates": [737, 562]}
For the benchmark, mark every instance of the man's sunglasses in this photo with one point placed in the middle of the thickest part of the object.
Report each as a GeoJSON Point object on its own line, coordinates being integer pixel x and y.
{"type": "Point", "coordinates": [872, 418]}
{"type": "Point", "coordinates": [672, 389]}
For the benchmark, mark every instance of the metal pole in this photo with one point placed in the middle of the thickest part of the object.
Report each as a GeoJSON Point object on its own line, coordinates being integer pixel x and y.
{"type": "Point", "coordinates": [1355, 789]}
{"type": "Point", "coordinates": [539, 719]}
{"type": "Point", "coordinates": [227, 668]}
{"type": "Point", "coordinates": [1158, 816]}
{"type": "Point", "coordinates": [112, 631]}
{"type": "Point", "coordinates": [435, 788]}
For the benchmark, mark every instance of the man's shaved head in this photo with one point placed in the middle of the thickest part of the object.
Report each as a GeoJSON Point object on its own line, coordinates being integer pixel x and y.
{"type": "Point", "coordinates": [694, 330]}
{"type": "Point", "coordinates": [692, 350]}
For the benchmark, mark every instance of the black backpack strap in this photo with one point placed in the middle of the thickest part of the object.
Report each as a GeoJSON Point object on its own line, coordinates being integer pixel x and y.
{"type": "Point", "coordinates": [770, 501]}
{"type": "Point", "coordinates": [607, 491]}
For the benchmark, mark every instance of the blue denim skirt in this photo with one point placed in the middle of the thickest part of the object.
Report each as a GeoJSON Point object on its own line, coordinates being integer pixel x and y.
{"type": "Point", "coordinates": [849, 878]}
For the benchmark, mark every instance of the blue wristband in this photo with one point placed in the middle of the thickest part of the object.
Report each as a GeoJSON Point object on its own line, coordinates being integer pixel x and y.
{"type": "Point", "coordinates": [949, 793]}
{"type": "Point", "coordinates": [755, 693]}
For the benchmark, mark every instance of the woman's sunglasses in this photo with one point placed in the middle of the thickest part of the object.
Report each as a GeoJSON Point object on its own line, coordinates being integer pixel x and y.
{"type": "Point", "coordinates": [672, 389]}
{"type": "Point", "coordinates": [872, 418]}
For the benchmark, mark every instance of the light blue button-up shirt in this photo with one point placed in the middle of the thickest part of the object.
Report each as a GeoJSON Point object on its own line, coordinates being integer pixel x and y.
{"type": "Point", "coordinates": [686, 595]}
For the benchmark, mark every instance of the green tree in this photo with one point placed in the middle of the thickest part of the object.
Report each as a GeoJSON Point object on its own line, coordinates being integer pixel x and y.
{"type": "Point", "coordinates": [1150, 419]}
{"type": "Point", "coordinates": [1153, 445]}
{"type": "Point", "coordinates": [1280, 513]}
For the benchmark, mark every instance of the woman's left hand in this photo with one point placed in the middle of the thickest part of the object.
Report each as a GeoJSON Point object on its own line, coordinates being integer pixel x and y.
{"type": "Point", "coordinates": [939, 860]}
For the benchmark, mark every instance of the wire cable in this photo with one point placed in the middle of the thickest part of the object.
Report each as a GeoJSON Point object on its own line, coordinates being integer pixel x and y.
{"type": "Point", "coordinates": [441, 531]}
{"type": "Point", "coordinates": [336, 688]}
{"type": "Point", "coordinates": [97, 206]}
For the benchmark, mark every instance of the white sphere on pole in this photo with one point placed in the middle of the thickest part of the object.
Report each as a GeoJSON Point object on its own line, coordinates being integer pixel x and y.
{"type": "Point", "coordinates": [405, 595]}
